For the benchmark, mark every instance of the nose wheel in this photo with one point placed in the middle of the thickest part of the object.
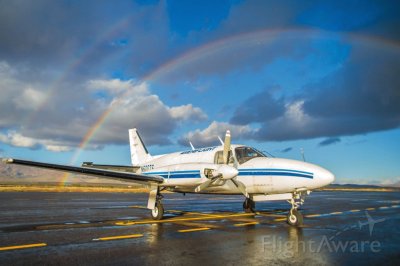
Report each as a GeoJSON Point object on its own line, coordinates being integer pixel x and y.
{"type": "Point", "coordinates": [249, 205]}
{"type": "Point", "coordinates": [294, 217]}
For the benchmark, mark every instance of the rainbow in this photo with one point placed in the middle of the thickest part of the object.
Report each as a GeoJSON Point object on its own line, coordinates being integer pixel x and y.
{"type": "Point", "coordinates": [71, 67]}
{"type": "Point", "coordinates": [260, 37]}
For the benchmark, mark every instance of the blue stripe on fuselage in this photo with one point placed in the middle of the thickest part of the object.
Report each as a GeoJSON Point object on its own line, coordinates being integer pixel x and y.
{"type": "Point", "coordinates": [177, 174]}
{"type": "Point", "coordinates": [270, 173]}
{"type": "Point", "coordinates": [242, 172]}
{"type": "Point", "coordinates": [275, 170]}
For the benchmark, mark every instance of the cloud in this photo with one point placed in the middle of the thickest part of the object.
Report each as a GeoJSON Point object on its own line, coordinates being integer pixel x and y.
{"type": "Point", "coordinates": [70, 37]}
{"type": "Point", "coordinates": [329, 141]}
{"type": "Point", "coordinates": [209, 135]}
{"type": "Point", "coordinates": [287, 150]}
{"type": "Point", "coordinates": [57, 126]}
{"type": "Point", "coordinates": [114, 86]}
{"type": "Point", "coordinates": [259, 108]}
{"type": "Point", "coordinates": [361, 96]}
{"type": "Point", "coordinates": [188, 112]}
{"type": "Point", "coordinates": [18, 140]}
{"type": "Point", "coordinates": [30, 99]}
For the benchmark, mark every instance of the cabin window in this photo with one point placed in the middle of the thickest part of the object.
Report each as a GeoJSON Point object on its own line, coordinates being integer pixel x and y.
{"type": "Point", "coordinates": [219, 157]}
{"type": "Point", "coordinates": [244, 154]}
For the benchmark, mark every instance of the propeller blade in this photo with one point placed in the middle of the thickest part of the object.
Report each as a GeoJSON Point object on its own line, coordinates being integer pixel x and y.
{"type": "Point", "coordinates": [240, 186]}
{"type": "Point", "coordinates": [227, 146]}
{"type": "Point", "coordinates": [205, 184]}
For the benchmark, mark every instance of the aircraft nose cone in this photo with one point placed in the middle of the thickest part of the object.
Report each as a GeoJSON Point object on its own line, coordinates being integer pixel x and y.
{"type": "Point", "coordinates": [327, 177]}
{"type": "Point", "coordinates": [228, 172]}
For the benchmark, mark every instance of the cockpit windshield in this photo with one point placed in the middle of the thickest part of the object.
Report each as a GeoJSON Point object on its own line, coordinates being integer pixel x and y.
{"type": "Point", "coordinates": [244, 154]}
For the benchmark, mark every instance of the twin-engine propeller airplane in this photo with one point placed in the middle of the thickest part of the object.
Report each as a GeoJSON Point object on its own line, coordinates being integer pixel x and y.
{"type": "Point", "coordinates": [225, 169]}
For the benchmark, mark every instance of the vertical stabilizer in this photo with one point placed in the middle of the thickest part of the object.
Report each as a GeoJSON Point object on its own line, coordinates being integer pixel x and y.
{"type": "Point", "coordinates": [139, 153]}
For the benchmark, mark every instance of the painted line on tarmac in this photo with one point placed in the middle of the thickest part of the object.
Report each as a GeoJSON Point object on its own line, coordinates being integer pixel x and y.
{"type": "Point", "coordinates": [23, 246]}
{"type": "Point", "coordinates": [350, 211]}
{"type": "Point", "coordinates": [245, 224]}
{"type": "Point", "coordinates": [270, 214]}
{"type": "Point", "coordinates": [193, 230]}
{"type": "Point", "coordinates": [214, 217]}
{"type": "Point", "coordinates": [117, 237]}
{"type": "Point", "coordinates": [137, 207]}
{"type": "Point", "coordinates": [314, 215]}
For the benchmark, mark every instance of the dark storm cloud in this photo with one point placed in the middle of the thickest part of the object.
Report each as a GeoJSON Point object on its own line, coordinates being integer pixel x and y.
{"type": "Point", "coordinates": [362, 96]}
{"type": "Point", "coordinates": [90, 35]}
{"type": "Point", "coordinates": [260, 107]}
{"type": "Point", "coordinates": [329, 141]}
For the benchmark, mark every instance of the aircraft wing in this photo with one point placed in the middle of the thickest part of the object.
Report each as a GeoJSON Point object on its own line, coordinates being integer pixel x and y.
{"type": "Point", "coordinates": [125, 176]}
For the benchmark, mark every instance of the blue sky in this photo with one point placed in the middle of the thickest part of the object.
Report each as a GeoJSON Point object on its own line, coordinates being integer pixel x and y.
{"type": "Point", "coordinates": [281, 75]}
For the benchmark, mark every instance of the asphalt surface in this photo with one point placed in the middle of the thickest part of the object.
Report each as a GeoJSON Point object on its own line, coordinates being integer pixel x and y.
{"type": "Point", "coordinates": [108, 228]}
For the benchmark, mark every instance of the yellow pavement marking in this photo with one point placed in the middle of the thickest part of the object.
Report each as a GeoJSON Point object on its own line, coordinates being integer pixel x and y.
{"type": "Point", "coordinates": [244, 224]}
{"type": "Point", "coordinates": [185, 219]}
{"type": "Point", "coordinates": [336, 213]}
{"type": "Point", "coordinates": [198, 225]}
{"type": "Point", "coordinates": [313, 215]}
{"type": "Point", "coordinates": [370, 209]}
{"type": "Point", "coordinates": [280, 219]}
{"type": "Point", "coordinates": [193, 230]}
{"type": "Point", "coordinates": [270, 214]}
{"type": "Point", "coordinates": [354, 210]}
{"type": "Point", "coordinates": [23, 246]}
{"type": "Point", "coordinates": [138, 207]}
{"type": "Point", "coordinates": [203, 214]}
{"type": "Point", "coordinates": [117, 237]}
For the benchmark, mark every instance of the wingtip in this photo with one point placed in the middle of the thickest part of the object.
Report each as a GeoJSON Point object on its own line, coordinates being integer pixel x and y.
{"type": "Point", "coordinates": [8, 160]}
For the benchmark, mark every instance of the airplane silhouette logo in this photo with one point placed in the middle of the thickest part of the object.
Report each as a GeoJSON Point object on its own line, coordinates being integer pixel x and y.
{"type": "Point", "coordinates": [370, 222]}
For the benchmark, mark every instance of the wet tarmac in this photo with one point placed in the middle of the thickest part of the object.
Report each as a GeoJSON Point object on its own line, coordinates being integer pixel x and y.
{"type": "Point", "coordinates": [107, 228]}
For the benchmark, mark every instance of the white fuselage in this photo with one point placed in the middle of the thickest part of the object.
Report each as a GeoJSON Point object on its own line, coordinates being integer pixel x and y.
{"type": "Point", "coordinates": [260, 175]}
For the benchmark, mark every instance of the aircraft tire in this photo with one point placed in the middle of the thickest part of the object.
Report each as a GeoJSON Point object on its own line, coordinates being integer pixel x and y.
{"type": "Point", "coordinates": [248, 206]}
{"type": "Point", "coordinates": [294, 218]}
{"type": "Point", "coordinates": [158, 212]}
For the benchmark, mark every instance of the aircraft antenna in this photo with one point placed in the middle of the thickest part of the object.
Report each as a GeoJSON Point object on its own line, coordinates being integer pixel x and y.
{"type": "Point", "coordinates": [302, 154]}
{"type": "Point", "coordinates": [268, 154]}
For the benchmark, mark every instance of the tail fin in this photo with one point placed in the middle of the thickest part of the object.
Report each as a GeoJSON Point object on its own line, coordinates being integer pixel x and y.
{"type": "Point", "coordinates": [139, 153]}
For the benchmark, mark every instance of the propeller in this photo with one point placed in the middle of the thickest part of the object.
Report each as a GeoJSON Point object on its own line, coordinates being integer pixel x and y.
{"type": "Point", "coordinates": [225, 171]}
{"type": "Point", "coordinates": [227, 149]}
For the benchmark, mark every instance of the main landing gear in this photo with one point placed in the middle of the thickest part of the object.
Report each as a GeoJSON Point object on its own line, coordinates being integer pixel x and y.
{"type": "Point", "coordinates": [154, 203]}
{"type": "Point", "coordinates": [158, 212]}
{"type": "Point", "coordinates": [294, 217]}
{"type": "Point", "coordinates": [249, 205]}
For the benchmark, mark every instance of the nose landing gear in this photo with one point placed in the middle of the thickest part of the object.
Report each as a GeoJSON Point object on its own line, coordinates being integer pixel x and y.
{"type": "Point", "coordinates": [294, 217]}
